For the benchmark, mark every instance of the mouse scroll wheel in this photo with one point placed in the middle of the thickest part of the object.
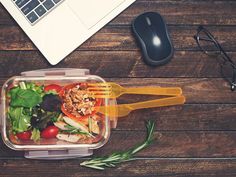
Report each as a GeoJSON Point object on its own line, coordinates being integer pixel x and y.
{"type": "Point", "coordinates": [148, 21]}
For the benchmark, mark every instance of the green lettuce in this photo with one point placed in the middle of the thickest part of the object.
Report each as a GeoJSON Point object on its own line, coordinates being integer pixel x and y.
{"type": "Point", "coordinates": [24, 98]}
{"type": "Point", "coordinates": [35, 134]}
{"type": "Point", "coordinates": [19, 118]}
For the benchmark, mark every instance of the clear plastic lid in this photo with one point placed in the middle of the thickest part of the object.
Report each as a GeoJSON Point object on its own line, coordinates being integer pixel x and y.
{"type": "Point", "coordinates": [55, 148]}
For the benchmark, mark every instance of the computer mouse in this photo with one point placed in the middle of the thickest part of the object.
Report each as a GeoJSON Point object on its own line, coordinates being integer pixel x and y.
{"type": "Point", "coordinates": [152, 34]}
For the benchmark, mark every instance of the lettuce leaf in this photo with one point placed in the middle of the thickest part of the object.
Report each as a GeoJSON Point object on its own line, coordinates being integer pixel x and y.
{"type": "Point", "coordinates": [24, 98]}
{"type": "Point", "coordinates": [20, 121]}
{"type": "Point", "coordinates": [35, 135]}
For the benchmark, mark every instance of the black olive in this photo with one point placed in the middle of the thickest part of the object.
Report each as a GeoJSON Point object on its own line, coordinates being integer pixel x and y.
{"type": "Point", "coordinates": [51, 103]}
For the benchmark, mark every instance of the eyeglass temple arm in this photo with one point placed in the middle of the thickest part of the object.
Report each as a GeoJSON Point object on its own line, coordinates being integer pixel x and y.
{"type": "Point", "coordinates": [234, 76]}
{"type": "Point", "coordinates": [204, 39]}
{"type": "Point", "coordinates": [225, 54]}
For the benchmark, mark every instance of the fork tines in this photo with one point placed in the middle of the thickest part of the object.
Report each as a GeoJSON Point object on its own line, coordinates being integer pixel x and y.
{"type": "Point", "coordinates": [100, 90]}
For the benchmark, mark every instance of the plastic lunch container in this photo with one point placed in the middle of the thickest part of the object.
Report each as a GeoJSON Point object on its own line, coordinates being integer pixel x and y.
{"type": "Point", "coordinates": [53, 149]}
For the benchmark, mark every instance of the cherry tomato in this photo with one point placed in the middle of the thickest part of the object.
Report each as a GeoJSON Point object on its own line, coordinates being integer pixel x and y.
{"type": "Point", "coordinates": [13, 138]}
{"type": "Point", "coordinates": [53, 87]}
{"type": "Point", "coordinates": [24, 135]}
{"type": "Point", "coordinates": [50, 132]}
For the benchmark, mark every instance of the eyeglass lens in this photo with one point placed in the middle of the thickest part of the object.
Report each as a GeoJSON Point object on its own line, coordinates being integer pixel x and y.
{"type": "Point", "coordinates": [210, 46]}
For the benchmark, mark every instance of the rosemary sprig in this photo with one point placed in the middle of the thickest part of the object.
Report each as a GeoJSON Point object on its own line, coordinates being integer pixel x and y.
{"type": "Point", "coordinates": [100, 163]}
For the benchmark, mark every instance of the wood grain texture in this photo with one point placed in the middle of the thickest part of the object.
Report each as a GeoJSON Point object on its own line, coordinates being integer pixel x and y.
{"type": "Point", "coordinates": [204, 90]}
{"type": "Point", "coordinates": [175, 12]}
{"type": "Point", "coordinates": [195, 90]}
{"type": "Point", "coordinates": [122, 38]}
{"type": "Point", "coordinates": [196, 139]}
{"type": "Point", "coordinates": [167, 144]}
{"type": "Point", "coordinates": [139, 168]}
{"type": "Point", "coordinates": [110, 64]}
{"type": "Point", "coordinates": [195, 117]}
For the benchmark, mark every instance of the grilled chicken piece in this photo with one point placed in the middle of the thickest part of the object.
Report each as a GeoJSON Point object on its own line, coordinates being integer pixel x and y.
{"type": "Point", "coordinates": [61, 125]}
{"type": "Point", "coordinates": [75, 123]}
{"type": "Point", "coordinates": [95, 127]}
{"type": "Point", "coordinates": [68, 137]}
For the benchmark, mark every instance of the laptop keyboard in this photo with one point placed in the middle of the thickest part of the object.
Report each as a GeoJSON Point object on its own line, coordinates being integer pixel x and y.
{"type": "Point", "coordinates": [34, 10]}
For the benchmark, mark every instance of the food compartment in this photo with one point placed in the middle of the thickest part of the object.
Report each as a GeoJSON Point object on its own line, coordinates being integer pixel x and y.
{"type": "Point", "coordinates": [53, 111]}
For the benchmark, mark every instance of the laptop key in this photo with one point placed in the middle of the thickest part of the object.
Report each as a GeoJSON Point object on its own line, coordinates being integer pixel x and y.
{"type": "Point", "coordinates": [40, 10]}
{"type": "Point", "coordinates": [56, 1]}
{"type": "Point", "coordinates": [21, 3]}
{"type": "Point", "coordinates": [35, 10]}
{"type": "Point", "coordinates": [32, 17]}
{"type": "Point", "coordinates": [48, 4]}
{"type": "Point", "coordinates": [30, 6]}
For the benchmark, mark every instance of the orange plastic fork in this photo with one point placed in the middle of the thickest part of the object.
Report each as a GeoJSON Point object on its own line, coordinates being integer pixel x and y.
{"type": "Point", "coordinates": [113, 90]}
{"type": "Point", "coordinates": [124, 109]}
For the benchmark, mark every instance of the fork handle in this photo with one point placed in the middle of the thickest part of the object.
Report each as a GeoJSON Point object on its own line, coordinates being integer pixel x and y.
{"type": "Point", "coordinates": [171, 91]}
{"type": "Point", "coordinates": [158, 103]}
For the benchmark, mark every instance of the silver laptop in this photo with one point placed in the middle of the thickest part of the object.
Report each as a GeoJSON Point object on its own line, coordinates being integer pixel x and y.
{"type": "Point", "coordinates": [57, 27]}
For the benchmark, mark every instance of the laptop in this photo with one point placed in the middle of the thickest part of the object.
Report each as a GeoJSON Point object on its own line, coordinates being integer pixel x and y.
{"type": "Point", "coordinates": [57, 27]}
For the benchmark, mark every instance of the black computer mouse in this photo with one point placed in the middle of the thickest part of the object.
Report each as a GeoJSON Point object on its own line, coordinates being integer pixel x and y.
{"type": "Point", "coordinates": [152, 34]}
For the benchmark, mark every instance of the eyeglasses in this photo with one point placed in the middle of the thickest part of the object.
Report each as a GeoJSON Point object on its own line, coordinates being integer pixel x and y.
{"type": "Point", "coordinates": [210, 46]}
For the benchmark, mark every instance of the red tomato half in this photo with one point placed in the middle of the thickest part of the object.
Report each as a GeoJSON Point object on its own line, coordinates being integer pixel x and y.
{"type": "Point", "coordinates": [53, 87]}
{"type": "Point", "coordinates": [50, 132]}
{"type": "Point", "coordinates": [24, 135]}
{"type": "Point", "coordinates": [63, 109]}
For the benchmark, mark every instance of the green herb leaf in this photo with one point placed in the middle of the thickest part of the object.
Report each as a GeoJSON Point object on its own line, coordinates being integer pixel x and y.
{"type": "Point", "coordinates": [20, 120]}
{"type": "Point", "coordinates": [101, 163]}
{"type": "Point", "coordinates": [54, 119]}
{"type": "Point", "coordinates": [13, 91]}
{"type": "Point", "coordinates": [36, 88]}
{"type": "Point", "coordinates": [24, 98]}
{"type": "Point", "coordinates": [74, 130]}
{"type": "Point", "coordinates": [45, 118]}
{"type": "Point", "coordinates": [35, 135]}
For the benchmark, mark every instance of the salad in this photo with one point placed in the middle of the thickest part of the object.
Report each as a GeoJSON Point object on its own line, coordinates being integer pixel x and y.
{"type": "Point", "coordinates": [67, 113]}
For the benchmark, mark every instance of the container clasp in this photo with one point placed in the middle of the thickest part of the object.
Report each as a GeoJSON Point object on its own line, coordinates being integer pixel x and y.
{"type": "Point", "coordinates": [58, 154]}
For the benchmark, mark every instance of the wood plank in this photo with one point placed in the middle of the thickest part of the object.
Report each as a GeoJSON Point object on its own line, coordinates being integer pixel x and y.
{"type": "Point", "coordinates": [176, 144]}
{"type": "Point", "coordinates": [167, 144]}
{"type": "Point", "coordinates": [148, 168]}
{"type": "Point", "coordinates": [188, 117]}
{"type": "Point", "coordinates": [200, 91]}
{"type": "Point", "coordinates": [121, 38]}
{"type": "Point", "coordinates": [196, 117]}
{"type": "Point", "coordinates": [184, 12]}
{"type": "Point", "coordinates": [174, 11]}
{"type": "Point", "coordinates": [115, 64]}
{"type": "Point", "coordinates": [187, 137]}
{"type": "Point", "coordinates": [195, 90]}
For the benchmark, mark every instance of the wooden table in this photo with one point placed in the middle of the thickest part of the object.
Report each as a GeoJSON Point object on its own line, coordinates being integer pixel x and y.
{"type": "Point", "coordinates": [197, 139]}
